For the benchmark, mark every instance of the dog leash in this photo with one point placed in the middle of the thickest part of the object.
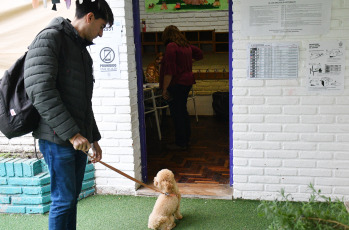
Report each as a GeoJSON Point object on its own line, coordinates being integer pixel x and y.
{"type": "Point", "coordinates": [129, 177]}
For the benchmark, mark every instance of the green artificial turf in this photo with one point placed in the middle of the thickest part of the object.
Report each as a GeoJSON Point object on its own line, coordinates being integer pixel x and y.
{"type": "Point", "coordinates": [131, 213]}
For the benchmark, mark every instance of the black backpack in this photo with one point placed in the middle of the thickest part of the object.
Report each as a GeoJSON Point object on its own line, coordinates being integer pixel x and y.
{"type": "Point", "coordinates": [17, 113]}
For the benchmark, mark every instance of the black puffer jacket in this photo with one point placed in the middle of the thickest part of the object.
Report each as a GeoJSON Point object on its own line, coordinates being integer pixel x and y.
{"type": "Point", "coordinates": [59, 81]}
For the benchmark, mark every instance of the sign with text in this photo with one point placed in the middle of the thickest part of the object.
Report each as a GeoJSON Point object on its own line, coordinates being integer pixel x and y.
{"type": "Point", "coordinates": [106, 52]}
{"type": "Point", "coordinates": [285, 17]}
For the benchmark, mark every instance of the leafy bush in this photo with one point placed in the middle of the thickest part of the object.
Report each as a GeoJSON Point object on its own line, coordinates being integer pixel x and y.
{"type": "Point", "coordinates": [319, 213]}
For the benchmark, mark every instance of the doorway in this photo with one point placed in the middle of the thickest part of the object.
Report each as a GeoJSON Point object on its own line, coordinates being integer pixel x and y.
{"type": "Point", "coordinates": [208, 160]}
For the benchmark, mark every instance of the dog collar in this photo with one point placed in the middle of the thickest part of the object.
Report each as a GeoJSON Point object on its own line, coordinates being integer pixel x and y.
{"type": "Point", "coordinates": [169, 194]}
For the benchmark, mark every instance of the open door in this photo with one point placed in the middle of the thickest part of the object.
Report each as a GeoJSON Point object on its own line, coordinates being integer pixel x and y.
{"type": "Point", "coordinates": [142, 121]}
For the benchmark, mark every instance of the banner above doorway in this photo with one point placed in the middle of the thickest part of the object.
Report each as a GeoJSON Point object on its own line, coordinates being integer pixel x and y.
{"type": "Point", "coordinates": [176, 6]}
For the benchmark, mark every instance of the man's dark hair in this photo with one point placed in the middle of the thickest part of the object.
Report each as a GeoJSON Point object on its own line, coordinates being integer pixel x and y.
{"type": "Point", "coordinates": [99, 8]}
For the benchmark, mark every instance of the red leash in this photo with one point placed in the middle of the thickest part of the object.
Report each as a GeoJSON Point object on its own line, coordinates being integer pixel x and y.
{"type": "Point", "coordinates": [129, 177]}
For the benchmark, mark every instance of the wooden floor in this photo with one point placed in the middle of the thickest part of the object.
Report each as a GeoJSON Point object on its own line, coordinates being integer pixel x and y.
{"type": "Point", "coordinates": [205, 162]}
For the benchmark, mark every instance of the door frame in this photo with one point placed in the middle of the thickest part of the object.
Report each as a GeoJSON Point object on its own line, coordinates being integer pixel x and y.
{"type": "Point", "coordinates": [138, 56]}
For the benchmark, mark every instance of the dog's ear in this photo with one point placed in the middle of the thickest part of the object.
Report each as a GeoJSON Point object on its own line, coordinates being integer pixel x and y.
{"type": "Point", "coordinates": [156, 183]}
{"type": "Point", "coordinates": [167, 185]}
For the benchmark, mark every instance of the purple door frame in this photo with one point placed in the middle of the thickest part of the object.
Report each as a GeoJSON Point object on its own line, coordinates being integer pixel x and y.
{"type": "Point", "coordinates": [137, 40]}
{"type": "Point", "coordinates": [231, 149]}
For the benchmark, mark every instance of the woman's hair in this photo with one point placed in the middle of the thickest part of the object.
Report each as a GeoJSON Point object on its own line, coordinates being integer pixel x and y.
{"type": "Point", "coordinates": [99, 8]}
{"type": "Point", "coordinates": [172, 34]}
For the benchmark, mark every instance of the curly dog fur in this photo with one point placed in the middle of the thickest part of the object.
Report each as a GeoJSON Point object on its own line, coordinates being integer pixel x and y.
{"type": "Point", "coordinates": [166, 208]}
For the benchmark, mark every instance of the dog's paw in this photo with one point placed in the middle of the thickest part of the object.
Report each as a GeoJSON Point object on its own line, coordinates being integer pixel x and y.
{"type": "Point", "coordinates": [171, 227]}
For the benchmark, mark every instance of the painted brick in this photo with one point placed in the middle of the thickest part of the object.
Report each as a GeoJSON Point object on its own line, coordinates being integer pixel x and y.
{"type": "Point", "coordinates": [10, 190]}
{"type": "Point", "coordinates": [31, 167]}
{"type": "Point", "coordinates": [3, 180]}
{"type": "Point", "coordinates": [5, 200]}
{"type": "Point", "coordinates": [342, 190]}
{"type": "Point", "coordinates": [40, 179]}
{"type": "Point", "coordinates": [87, 184]}
{"type": "Point", "coordinates": [33, 190]}
{"type": "Point", "coordinates": [86, 193]}
{"type": "Point", "coordinates": [89, 167]}
{"type": "Point", "coordinates": [41, 199]}
{"type": "Point", "coordinates": [12, 209]}
{"type": "Point", "coordinates": [38, 209]}
{"type": "Point", "coordinates": [264, 179]}
{"type": "Point", "coordinates": [89, 175]}
{"type": "Point", "coordinates": [3, 167]}
{"type": "Point", "coordinates": [18, 167]}
{"type": "Point", "coordinates": [10, 170]}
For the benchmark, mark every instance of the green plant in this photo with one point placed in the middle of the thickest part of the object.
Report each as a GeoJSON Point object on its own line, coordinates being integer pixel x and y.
{"type": "Point", "coordinates": [319, 213]}
{"type": "Point", "coordinates": [5, 155]}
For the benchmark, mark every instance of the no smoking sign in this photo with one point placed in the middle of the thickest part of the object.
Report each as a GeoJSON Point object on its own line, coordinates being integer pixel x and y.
{"type": "Point", "coordinates": [107, 56]}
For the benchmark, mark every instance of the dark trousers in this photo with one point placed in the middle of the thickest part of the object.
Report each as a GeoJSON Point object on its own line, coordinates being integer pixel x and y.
{"type": "Point", "coordinates": [179, 113]}
{"type": "Point", "coordinates": [67, 168]}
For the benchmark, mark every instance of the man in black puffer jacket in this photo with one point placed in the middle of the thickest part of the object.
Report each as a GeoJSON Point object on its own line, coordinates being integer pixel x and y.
{"type": "Point", "coordinates": [59, 81]}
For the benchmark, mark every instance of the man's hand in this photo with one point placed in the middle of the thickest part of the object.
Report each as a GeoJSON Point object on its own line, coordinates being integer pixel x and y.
{"type": "Point", "coordinates": [97, 152]}
{"type": "Point", "coordinates": [80, 143]}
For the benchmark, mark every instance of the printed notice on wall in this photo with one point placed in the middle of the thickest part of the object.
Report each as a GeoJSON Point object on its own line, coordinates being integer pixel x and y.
{"type": "Point", "coordinates": [105, 52]}
{"type": "Point", "coordinates": [272, 61]}
{"type": "Point", "coordinates": [285, 17]}
{"type": "Point", "coordinates": [326, 66]}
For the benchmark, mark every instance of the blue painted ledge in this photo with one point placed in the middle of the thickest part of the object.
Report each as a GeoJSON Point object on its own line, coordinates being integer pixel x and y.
{"type": "Point", "coordinates": [25, 185]}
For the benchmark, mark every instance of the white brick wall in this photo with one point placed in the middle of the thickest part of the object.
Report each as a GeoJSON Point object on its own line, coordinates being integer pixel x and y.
{"type": "Point", "coordinates": [117, 113]}
{"type": "Point", "coordinates": [284, 136]}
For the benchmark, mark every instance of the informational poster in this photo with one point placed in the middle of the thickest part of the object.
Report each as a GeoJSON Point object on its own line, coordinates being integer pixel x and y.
{"type": "Point", "coordinates": [177, 6]}
{"type": "Point", "coordinates": [106, 52]}
{"type": "Point", "coordinates": [326, 66]}
{"type": "Point", "coordinates": [272, 61]}
{"type": "Point", "coordinates": [285, 17]}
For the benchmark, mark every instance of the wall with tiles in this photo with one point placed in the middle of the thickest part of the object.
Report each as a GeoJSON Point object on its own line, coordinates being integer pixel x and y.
{"type": "Point", "coordinates": [285, 136]}
{"type": "Point", "coordinates": [25, 185]}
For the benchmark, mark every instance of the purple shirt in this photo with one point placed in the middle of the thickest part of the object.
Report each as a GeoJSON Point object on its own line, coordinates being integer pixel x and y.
{"type": "Point", "coordinates": [178, 62]}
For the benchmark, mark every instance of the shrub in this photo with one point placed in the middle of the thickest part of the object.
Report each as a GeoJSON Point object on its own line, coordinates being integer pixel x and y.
{"type": "Point", "coordinates": [319, 213]}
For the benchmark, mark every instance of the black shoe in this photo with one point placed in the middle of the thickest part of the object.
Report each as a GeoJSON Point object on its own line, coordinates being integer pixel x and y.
{"type": "Point", "coordinates": [174, 147]}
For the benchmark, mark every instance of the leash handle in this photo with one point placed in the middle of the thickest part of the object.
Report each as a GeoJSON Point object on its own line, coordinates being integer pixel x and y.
{"type": "Point", "coordinates": [125, 175]}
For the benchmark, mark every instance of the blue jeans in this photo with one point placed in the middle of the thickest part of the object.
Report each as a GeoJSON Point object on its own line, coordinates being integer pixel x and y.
{"type": "Point", "coordinates": [67, 168]}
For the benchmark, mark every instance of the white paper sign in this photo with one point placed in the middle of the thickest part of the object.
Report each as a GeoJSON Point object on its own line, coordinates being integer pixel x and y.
{"type": "Point", "coordinates": [326, 66]}
{"type": "Point", "coordinates": [280, 17]}
{"type": "Point", "coordinates": [272, 60]}
{"type": "Point", "coordinates": [106, 53]}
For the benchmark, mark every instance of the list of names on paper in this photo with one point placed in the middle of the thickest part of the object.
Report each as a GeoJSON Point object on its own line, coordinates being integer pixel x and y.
{"type": "Point", "coordinates": [273, 61]}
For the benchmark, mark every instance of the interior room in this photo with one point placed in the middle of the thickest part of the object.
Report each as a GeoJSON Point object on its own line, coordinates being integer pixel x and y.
{"type": "Point", "coordinates": [206, 162]}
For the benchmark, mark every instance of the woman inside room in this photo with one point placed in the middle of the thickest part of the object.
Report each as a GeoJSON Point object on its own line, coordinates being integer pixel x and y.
{"type": "Point", "coordinates": [176, 80]}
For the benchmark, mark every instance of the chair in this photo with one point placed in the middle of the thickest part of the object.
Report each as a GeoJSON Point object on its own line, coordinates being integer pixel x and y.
{"type": "Point", "coordinates": [161, 104]}
{"type": "Point", "coordinates": [192, 97]}
{"type": "Point", "coordinates": [150, 106]}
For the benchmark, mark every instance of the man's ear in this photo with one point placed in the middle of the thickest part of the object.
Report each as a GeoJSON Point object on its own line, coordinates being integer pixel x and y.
{"type": "Point", "coordinates": [89, 17]}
